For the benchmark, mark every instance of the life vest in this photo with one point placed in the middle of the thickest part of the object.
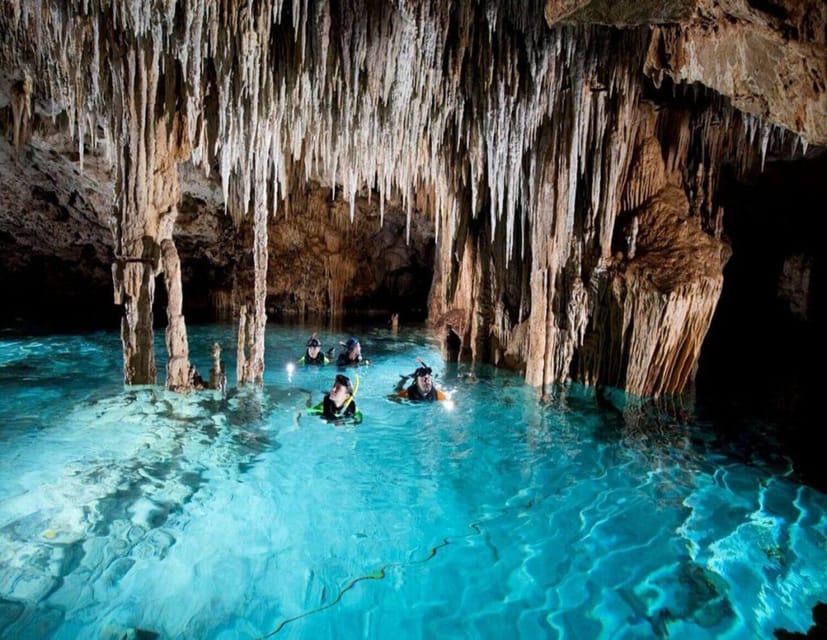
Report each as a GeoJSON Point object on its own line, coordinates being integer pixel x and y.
{"type": "Point", "coordinates": [413, 393]}
{"type": "Point", "coordinates": [339, 415]}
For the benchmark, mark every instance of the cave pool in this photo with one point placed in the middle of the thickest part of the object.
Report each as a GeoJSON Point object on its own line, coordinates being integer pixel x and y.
{"type": "Point", "coordinates": [138, 513]}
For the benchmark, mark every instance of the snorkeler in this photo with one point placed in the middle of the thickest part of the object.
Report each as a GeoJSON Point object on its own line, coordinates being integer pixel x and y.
{"type": "Point", "coordinates": [352, 355]}
{"type": "Point", "coordinates": [422, 387]}
{"type": "Point", "coordinates": [338, 404]}
{"type": "Point", "coordinates": [313, 353]}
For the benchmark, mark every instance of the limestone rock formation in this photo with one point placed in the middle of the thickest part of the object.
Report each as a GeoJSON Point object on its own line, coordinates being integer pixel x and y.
{"type": "Point", "coordinates": [769, 58]}
{"type": "Point", "coordinates": [619, 13]}
{"type": "Point", "coordinates": [567, 170]}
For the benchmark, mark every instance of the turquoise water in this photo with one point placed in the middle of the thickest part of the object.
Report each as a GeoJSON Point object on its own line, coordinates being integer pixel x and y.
{"type": "Point", "coordinates": [133, 510]}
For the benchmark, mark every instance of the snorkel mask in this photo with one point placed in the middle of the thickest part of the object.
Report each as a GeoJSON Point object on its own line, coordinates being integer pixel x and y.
{"type": "Point", "coordinates": [421, 372]}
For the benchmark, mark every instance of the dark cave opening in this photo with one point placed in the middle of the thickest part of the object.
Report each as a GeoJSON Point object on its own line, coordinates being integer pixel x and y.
{"type": "Point", "coordinates": [47, 294]}
{"type": "Point", "coordinates": [403, 291]}
{"type": "Point", "coordinates": [761, 345]}
{"type": "Point", "coordinates": [760, 362]}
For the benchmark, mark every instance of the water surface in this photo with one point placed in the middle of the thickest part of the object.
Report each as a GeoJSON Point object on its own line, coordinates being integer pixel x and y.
{"type": "Point", "coordinates": [134, 510]}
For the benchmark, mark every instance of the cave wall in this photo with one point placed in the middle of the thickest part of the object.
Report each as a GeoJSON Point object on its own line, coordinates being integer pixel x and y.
{"type": "Point", "coordinates": [54, 233]}
{"type": "Point", "coordinates": [569, 171]}
{"type": "Point", "coordinates": [322, 264]}
{"type": "Point", "coordinates": [56, 246]}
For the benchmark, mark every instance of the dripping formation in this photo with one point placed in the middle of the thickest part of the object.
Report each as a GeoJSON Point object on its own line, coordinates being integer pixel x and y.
{"type": "Point", "coordinates": [570, 171]}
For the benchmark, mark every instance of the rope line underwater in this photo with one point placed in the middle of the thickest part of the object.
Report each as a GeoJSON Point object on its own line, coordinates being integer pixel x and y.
{"type": "Point", "coordinates": [379, 574]}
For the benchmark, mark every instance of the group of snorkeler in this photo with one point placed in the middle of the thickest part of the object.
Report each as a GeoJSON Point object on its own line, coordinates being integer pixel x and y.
{"type": "Point", "coordinates": [338, 403]}
{"type": "Point", "coordinates": [313, 355]}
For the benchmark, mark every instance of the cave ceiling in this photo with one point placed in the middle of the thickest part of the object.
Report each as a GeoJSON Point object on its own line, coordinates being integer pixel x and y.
{"type": "Point", "coordinates": [769, 58]}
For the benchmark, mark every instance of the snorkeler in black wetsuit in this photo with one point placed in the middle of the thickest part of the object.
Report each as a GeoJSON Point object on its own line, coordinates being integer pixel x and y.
{"type": "Point", "coordinates": [422, 388]}
{"type": "Point", "coordinates": [352, 355]}
{"type": "Point", "coordinates": [313, 353]}
{"type": "Point", "coordinates": [338, 403]}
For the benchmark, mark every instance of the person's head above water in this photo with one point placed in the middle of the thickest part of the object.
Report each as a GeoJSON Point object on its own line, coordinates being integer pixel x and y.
{"type": "Point", "coordinates": [313, 345]}
{"type": "Point", "coordinates": [340, 391]}
{"type": "Point", "coordinates": [423, 380]}
{"type": "Point", "coordinates": [353, 348]}
{"type": "Point", "coordinates": [344, 381]}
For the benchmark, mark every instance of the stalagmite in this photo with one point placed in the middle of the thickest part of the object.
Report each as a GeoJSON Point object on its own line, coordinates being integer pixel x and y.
{"type": "Point", "coordinates": [244, 346]}
{"type": "Point", "coordinates": [218, 374]}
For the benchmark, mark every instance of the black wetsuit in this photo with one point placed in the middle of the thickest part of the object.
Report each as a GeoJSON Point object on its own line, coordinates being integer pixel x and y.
{"type": "Point", "coordinates": [344, 361]}
{"type": "Point", "coordinates": [307, 359]}
{"type": "Point", "coordinates": [331, 412]}
{"type": "Point", "coordinates": [415, 394]}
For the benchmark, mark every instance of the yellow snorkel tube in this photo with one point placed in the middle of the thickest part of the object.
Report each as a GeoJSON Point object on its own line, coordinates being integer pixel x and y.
{"type": "Point", "coordinates": [352, 395]}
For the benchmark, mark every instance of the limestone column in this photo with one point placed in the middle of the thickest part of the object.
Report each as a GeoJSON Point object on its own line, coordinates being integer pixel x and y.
{"type": "Point", "coordinates": [252, 320]}
{"type": "Point", "coordinates": [146, 188]}
{"type": "Point", "coordinates": [134, 283]}
{"type": "Point", "coordinates": [178, 365]}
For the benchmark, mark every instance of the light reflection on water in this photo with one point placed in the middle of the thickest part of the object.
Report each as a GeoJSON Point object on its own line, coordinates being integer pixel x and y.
{"type": "Point", "coordinates": [241, 516]}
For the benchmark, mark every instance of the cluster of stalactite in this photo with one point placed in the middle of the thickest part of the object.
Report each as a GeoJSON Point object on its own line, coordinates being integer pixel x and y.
{"type": "Point", "coordinates": [527, 144]}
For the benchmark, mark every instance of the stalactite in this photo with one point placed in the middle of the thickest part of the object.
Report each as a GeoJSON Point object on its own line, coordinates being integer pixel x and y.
{"type": "Point", "coordinates": [339, 273]}
{"type": "Point", "coordinates": [21, 110]}
{"type": "Point", "coordinates": [665, 335]}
